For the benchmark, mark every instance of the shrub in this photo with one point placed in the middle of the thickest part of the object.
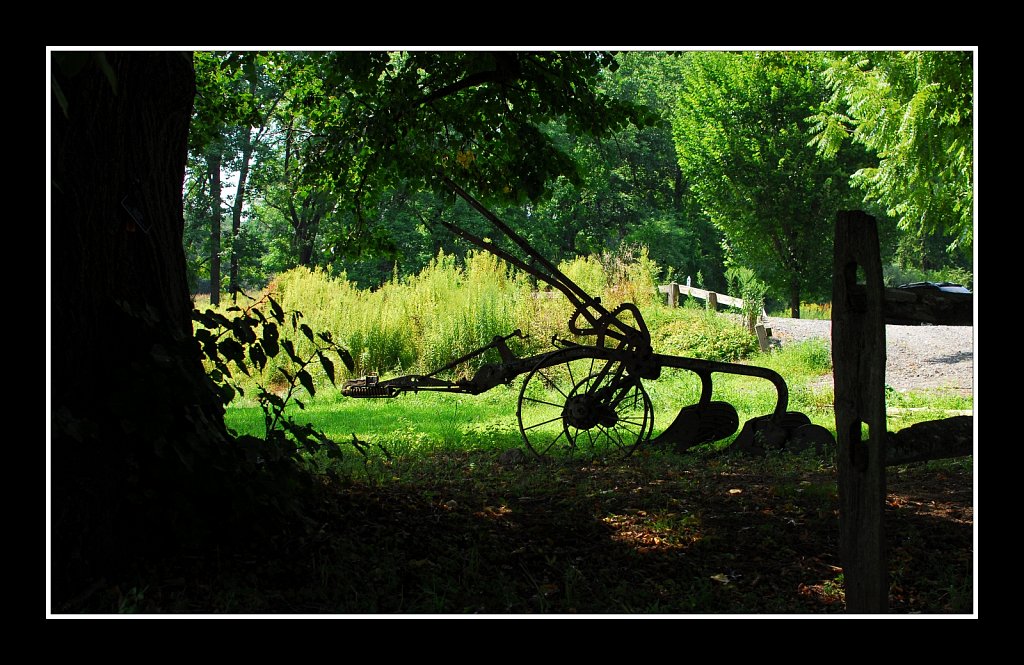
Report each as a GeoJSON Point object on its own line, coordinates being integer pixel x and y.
{"type": "Point", "coordinates": [700, 334]}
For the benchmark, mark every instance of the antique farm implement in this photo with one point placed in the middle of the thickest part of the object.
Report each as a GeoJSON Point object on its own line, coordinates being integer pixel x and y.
{"type": "Point", "coordinates": [591, 396]}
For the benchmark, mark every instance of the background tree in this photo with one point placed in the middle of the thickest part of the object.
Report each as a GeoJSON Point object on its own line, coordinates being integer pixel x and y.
{"type": "Point", "coordinates": [742, 139]}
{"type": "Point", "coordinates": [385, 118]}
{"type": "Point", "coordinates": [306, 206]}
{"type": "Point", "coordinates": [915, 111]}
{"type": "Point", "coordinates": [234, 113]}
{"type": "Point", "coordinates": [627, 187]}
{"type": "Point", "coordinates": [668, 218]}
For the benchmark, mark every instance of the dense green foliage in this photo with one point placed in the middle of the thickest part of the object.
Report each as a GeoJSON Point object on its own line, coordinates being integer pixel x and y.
{"type": "Point", "coordinates": [710, 160]}
{"type": "Point", "coordinates": [915, 111]}
{"type": "Point", "coordinates": [742, 140]}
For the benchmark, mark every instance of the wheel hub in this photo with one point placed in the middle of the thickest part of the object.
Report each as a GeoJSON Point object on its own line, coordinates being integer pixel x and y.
{"type": "Point", "coordinates": [587, 411]}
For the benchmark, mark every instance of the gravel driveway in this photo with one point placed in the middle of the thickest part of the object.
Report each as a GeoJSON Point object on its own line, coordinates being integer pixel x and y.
{"type": "Point", "coordinates": [917, 357]}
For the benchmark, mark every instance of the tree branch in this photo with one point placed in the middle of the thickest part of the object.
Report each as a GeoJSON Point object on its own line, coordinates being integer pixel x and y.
{"type": "Point", "coordinates": [506, 70]}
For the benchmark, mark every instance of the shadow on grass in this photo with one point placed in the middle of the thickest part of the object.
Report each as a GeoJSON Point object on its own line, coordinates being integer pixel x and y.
{"type": "Point", "coordinates": [652, 536]}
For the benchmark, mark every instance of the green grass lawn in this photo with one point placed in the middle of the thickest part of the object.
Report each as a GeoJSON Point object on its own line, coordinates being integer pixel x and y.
{"type": "Point", "coordinates": [411, 424]}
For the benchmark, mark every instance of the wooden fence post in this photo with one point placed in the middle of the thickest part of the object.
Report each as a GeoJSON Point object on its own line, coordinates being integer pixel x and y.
{"type": "Point", "coordinates": [858, 360]}
{"type": "Point", "coordinates": [673, 295]}
{"type": "Point", "coordinates": [712, 301]}
{"type": "Point", "coordinates": [762, 337]}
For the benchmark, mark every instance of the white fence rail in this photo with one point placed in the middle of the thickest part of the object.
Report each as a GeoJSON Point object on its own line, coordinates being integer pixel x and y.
{"type": "Point", "coordinates": [675, 290]}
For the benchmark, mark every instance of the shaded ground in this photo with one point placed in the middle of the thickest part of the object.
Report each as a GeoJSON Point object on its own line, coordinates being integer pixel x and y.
{"type": "Point", "coordinates": [656, 535]}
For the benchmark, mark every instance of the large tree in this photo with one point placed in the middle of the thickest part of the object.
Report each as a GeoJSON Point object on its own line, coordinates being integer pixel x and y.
{"type": "Point", "coordinates": [141, 458]}
{"type": "Point", "coordinates": [131, 405]}
{"type": "Point", "coordinates": [915, 111]}
{"type": "Point", "coordinates": [742, 138]}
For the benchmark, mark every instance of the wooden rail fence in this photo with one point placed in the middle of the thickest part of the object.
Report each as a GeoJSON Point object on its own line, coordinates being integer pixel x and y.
{"type": "Point", "coordinates": [674, 291]}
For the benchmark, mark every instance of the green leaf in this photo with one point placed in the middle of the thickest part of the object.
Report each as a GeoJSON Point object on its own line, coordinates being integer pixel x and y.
{"type": "Point", "coordinates": [270, 335]}
{"type": "Point", "coordinates": [219, 320]}
{"type": "Point", "coordinates": [243, 330]}
{"type": "Point", "coordinates": [256, 355]}
{"type": "Point", "coordinates": [307, 331]}
{"type": "Point", "coordinates": [327, 365]}
{"type": "Point", "coordinates": [210, 349]}
{"type": "Point", "coordinates": [346, 359]}
{"type": "Point", "coordinates": [232, 350]}
{"type": "Point", "coordinates": [204, 318]}
{"type": "Point", "coordinates": [290, 349]}
{"type": "Point", "coordinates": [307, 382]}
{"type": "Point", "coordinates": [227, 393]}
{"type": "Point", "coordinates": [275, 310]}
{"type": "Point", "coordinates": [223, 368]}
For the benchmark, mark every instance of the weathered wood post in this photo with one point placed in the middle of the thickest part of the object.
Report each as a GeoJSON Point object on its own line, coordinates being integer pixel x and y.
{"type": "Point", "coordinates": [858, 360]}
{"type": "Point", "coordinates": [673, 295]}
{"type": "Point", "coordinates": [712, 301]}
{"type": "Point", "coordinates": [762, 337]}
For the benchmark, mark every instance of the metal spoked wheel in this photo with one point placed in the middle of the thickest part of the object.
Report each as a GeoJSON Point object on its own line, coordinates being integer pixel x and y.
{"type": "Point", "coordinates": [583, 405]}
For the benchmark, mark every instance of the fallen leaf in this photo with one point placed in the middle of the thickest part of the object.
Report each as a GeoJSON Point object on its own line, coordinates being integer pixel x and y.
{"type": "Point", "coordinates": [721, 577]}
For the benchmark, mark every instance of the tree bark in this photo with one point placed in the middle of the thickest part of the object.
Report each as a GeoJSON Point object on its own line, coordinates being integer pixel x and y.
{"type": "Point", "coordinates": [214, 164]}
{"type": "Point", "coordinates": [130, 402]}
{"type": "Point", "coordinates": [236, 212]}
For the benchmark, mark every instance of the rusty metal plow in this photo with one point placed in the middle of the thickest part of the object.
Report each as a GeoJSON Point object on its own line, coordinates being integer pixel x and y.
{"type": "Point", "coordinates": [591, 397]}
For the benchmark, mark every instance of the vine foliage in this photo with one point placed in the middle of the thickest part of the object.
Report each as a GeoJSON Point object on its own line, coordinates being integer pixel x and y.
{"type": "Point", "coordinates": [251, 338]}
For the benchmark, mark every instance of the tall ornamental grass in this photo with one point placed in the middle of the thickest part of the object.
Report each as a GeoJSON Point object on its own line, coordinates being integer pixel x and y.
{"type": "Point", "coordinates": [420, 323]}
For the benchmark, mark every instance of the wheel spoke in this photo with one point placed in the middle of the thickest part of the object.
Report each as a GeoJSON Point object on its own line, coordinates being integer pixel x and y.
{"type": "Point", "coordinates": [534, 400]}
{"type": "Point", "coordinates": [553, 442]}
{"type": "Point", "coordinates": [543, 423]}
{"type": "Point", "coordinates": [551, 382]}
{"type": "Point", "coordinates": [613, 436]}
{"type": "Point", "coordinates": [599, 391]}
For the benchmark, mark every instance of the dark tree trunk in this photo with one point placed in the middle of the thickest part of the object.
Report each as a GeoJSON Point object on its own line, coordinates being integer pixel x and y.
{"type": "Point", "coordinates": [130, 402]}
{"type": "Point", "coordinates": [305, 239]}
{"type": "Point", "coordinates": [794, 297]}
{"type": "Point", "coordinates": [236, 212]}
{"type": "Point", "coordinates": [306, 255]}
{"type": "Point", "coordinates": [214, 162]}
